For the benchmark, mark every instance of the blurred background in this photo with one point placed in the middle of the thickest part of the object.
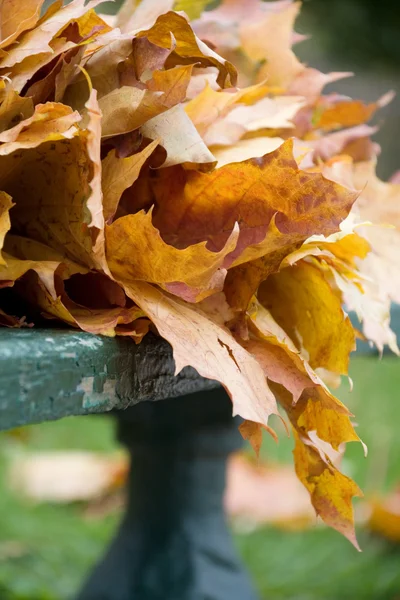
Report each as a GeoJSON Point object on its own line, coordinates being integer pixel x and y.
{"type": "Point", "coordinates": [61, 483]}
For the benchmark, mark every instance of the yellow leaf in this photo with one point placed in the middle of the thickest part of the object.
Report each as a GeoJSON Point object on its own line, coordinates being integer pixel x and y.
{"type": "Point", "coordinates": [118, 174]}
{"type": "Point", "coordinates": [14, 108]}
{"type": "Point", "coordinates": [173, 83]}
{"type": "Point", "coordinates": [193, 8]}
{"type": "Point", "coordinates": [209, 106]}
{"type": "Point", "coordinates": [349, 113]}
{"type": "Point", "coordinates": [136, 251]}
{"type": "Point", "coordinates": [38, 40]}
{"type": "Point", "coordinates": [385, 516]}
{"type": "Point", "coordinates": [308, 403]}
{"type": "Point", "coordinates": [331, 492]}
{"type": "Point", "coordinates": [49, 122]}
{"type": "Point", "coordinates": [67, 28]}
{"type": "Point", "coordinates": [189, 46]}
{"type": "Point", "coordinates": [316, 321]}
{"type": "Point", "coordinates": [312, 413]}
{"type": "Point", "coordinates": [5, 204]}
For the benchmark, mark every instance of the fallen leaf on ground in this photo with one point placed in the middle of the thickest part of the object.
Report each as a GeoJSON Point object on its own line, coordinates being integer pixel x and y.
{"type": "Point", "coordinates": [65, 477]}
{"type": "Point", "coordinates": [270, 494]}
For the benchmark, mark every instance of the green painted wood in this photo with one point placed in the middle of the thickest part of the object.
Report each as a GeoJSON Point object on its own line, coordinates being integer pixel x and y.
{"type": "Point", "coordinates": [47, 374]}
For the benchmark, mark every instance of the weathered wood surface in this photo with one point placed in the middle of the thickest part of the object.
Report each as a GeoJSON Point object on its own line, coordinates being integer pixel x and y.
{"type": "Point", "coordinates": [47, 374]}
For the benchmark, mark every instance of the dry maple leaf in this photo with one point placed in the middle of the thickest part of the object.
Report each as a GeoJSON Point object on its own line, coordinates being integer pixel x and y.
{"type": "Point", "coordinates": [139, 185]}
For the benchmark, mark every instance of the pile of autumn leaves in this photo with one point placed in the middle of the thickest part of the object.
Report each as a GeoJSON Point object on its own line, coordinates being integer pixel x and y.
{"type": "Point", "coordinates": [140, 187]}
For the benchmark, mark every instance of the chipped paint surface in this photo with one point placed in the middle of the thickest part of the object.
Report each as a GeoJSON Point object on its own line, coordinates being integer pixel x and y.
{"type": "Point", "coordinates": [92, 398]}
{"type": "Point", "coordinates": [48, 374]}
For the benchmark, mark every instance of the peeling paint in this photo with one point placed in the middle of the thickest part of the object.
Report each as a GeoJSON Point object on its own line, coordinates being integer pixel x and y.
{"type": "Point", "coordinates": [106, 399]}
{"type": "Point", "coordinates": [92, 342]}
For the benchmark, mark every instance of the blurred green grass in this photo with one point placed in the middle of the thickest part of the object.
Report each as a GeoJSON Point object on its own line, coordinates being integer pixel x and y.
{"type": "Point", "coordinates": [46, 550]}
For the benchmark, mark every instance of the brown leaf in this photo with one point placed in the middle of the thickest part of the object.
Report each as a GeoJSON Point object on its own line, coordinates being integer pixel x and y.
{"type": "Point", "coordinates": [205, 206]}
{"type": "Point", "coordinates": [253, 432]}
{"type": "Point", "coordinates": [68, 69]}
{"type": "Point", "coordinates": [104, 310]}
{"type": "Point", "coordinates": [211, 350]}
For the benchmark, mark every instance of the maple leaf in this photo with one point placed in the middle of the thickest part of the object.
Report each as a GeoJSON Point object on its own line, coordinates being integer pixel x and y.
{"type": "Point", "coordinates": [17, 17]}
{"type": "Point", "coordinates": [137, 252]}
{"type": "Point", "coordinates": [56, 33]}
{"type": "Point", "coordinates": [180, 139]}
{"type": "Point", "coordinates": [201, 343]}
{"type": "Point", "coordinates": [113, 215]}
{"type": "Point", "coordinates": [119, 174]}
{"type": "Point", "coordinates": [188, 46]}
{"type": "Point", "coordinates": [349, 113]}
{"type": "Point", "coordinates": [316, 321]}
{"type": "Point", "coordinates": [59, 171]}
{"type": "Point", "coordinates": [5, 224]}
{"type": "Point", "coordinates": [331, 492]}
{"type": "Point", "coordinates": [201, 206]}
{"type": "Point", "coordinates": [210, 106]}
{"type": "Point", "coordinates": [13, 108]}
{"type": "Point", "coordinates": [43, 278]}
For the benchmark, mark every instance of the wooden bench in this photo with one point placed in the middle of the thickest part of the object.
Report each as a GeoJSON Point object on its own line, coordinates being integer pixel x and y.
{"type": "Point", "coordinates": [173, 542]}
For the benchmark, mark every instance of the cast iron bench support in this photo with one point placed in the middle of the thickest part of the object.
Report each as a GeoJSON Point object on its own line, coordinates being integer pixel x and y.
{"type": "Point", "coordinates": [173, 542]}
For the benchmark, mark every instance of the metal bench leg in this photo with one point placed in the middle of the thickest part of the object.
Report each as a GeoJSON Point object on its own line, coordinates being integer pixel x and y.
{"type": "Point", "coordinates": [173, 543]}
